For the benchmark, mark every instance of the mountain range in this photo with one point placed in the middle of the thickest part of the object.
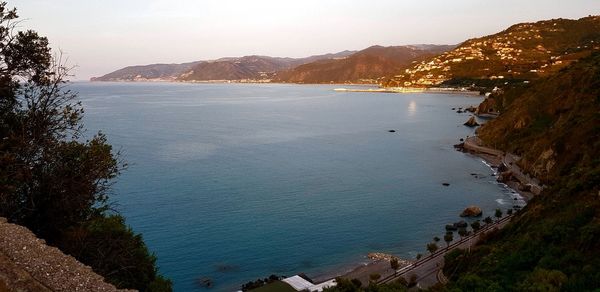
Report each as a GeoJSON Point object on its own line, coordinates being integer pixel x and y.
{"type": "Point", "coordinates": [370, 65]}
{"type": "Point", "coordinates": [251, 68]}
{"type": "Point", "coordinates": [521, 53]}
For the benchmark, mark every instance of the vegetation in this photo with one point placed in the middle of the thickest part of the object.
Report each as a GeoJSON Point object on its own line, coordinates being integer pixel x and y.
{"type": "Point", "coordinates": [554, 242]}
{"type": "Point", "coordinates": [448, 238]}
{"type": "Point", "coordinates": [366, 66]}
{"type": "Point", "coordinates": [272, 283]}
{"type": "Point", "coordinates": [477, 225]}
{"type": "Point", "coordinates": [523, 52]}
{"type": "Point", "coordinates": [50, 180]}
{"type": "Point", "coordinates": [345, 285]}
{"type": "Point", "coordinates": [394, 264]}
{"type": "Point", "coordinates": [498, 214]}
{"type": "Point", "coordinates": [432, 247]}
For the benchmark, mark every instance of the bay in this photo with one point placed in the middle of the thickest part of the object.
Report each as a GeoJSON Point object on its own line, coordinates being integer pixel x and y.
{"type": "Point", "coordinates": [239, 181]}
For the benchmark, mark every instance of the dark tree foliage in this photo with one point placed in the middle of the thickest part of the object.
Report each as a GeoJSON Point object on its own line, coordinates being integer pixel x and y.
{"type": "Point", "coordinates": [345, 285]}
{"type": "Point", "coordinates": [50, 180]}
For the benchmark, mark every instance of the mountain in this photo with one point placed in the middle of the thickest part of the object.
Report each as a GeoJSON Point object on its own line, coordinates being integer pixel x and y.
{"type": "Point", "coordinates": [147, 72]}
{"type": "Point", "coordinates": [367, 66]}
{"type": "Point", "coordinates": [254, 68]}
{"type": "Point", "coordinates": [524, 51]}
{"type": "Point", "coordinates": [553, 244]}
{"type": "Point", "coordinates": [248, 67]}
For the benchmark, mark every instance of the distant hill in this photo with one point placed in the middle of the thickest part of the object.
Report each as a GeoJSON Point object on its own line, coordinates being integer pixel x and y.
{"type": "Point", "coordinates": [256, 68]}
{"type": "Point", "coordinates": [147, 72]}
{"type": "Point", "coordinates": [524, 51]}
{"type": "Point", "coordinates": [367, 66]}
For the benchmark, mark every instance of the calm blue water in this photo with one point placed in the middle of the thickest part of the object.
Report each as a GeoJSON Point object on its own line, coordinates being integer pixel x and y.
{"type": "Point", "coordinates": [236, 182]}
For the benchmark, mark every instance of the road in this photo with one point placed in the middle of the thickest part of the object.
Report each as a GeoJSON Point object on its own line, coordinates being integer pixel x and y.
{"type": "Point", "coordinates": [427, 268]}
{"type": "Point", "coordinates": [508, 159]}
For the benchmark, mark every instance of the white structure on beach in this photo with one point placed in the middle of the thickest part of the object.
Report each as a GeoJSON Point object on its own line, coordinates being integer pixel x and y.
{"type": "Point", "coordinates": [301, 284]}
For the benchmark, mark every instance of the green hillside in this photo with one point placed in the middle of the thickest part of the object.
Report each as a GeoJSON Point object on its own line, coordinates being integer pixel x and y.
{"type": "Point", "coordinates": [554, 243]}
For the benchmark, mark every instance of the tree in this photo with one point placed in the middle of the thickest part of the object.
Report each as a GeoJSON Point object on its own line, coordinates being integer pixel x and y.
{"type": "Point", "coordinates": [509, 211]}
{"type": "Point", "coordinates": [419, 256]}
{"type": "Point", "coordinates": [476, 226]}
{"type": "Point", "coordinates": [488, 220]}
{"type": "Point", "coordinates": [498, 214]}
{"type": "Point", "coordinates": [374, 277]}
{"type": "Point", "coordinates": [462, 232]}
{"type": "Point", "coordinates": [394, 264]}
{"type": "Point", "coordinates": [51, 180]}
{"type": "Point", "coordinates": [432, 247]}
{"type": "Point", "coordinates": [448, 238]}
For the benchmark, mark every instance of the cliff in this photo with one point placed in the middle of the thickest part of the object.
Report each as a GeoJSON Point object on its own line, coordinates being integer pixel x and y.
{"type": "Point", "coordinates": [28, 264]}
{"type": "Point", "coordinates": [553, 244]}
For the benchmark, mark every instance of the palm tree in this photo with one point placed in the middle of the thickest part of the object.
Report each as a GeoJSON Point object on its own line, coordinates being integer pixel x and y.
{"type": "Point", "coordinates": [462, 232]}
{"type": "Point", "coordinates": [487, 220]}
{"type": "Point", "coordinates": [432, 247]}
{"type": "Point", "coordinates": [476, 226]}
{"type": "Point", "coordinates": [448, 238]}
{"type": "Point", "coordinates": [498, 214]}
{"type": "Point", "coordinates": [395, 265]}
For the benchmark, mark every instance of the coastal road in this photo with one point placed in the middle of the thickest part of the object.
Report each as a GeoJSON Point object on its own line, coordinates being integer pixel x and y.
{"type": "Point", "coordinates": [508, 159]}
{"type": "Point", "coordinates": [427, 269]}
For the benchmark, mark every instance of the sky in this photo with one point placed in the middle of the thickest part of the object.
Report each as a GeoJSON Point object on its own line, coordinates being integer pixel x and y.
{"type": "Point", "coordinates": [99, 37]}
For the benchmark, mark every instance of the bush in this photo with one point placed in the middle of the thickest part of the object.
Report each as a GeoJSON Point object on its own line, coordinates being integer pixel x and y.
{"type": "Point", "coordinates": [114, 250]}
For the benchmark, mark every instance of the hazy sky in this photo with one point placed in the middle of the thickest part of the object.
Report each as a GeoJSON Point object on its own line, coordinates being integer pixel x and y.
{"type": "Point", "coordinates": [102, 36]}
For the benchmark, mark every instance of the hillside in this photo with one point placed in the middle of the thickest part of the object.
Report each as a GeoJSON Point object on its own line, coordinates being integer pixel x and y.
{"type": "Point", "coordinates": [28, 264]}
{"type": "Point", "coordinates": [554, 243]}
{"type": "Point", "coordinates": [147, 72]}
{"type": "Point", "coordinates": [524, 51]}
{"type": "Point", "coordinates": [254, 68]}
{"type": "Point", "coordinates": [370, 65]}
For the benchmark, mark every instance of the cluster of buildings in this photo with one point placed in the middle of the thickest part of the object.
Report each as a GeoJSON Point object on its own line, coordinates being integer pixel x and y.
{"type": "Point", "coordinates": [516, 51]}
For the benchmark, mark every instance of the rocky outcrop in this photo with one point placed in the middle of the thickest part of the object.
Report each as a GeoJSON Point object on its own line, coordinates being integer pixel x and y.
{"type": "Point", "coordinates": [471, 211]}
{"type": "Point", "coordinates": [28, 264]}
{"type": "Point", "coordinates": [471, 109]}
{"type": "Point", "coordinates": [471, 122]}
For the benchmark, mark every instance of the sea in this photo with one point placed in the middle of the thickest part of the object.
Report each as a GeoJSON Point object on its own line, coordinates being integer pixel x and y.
{"type": "Point", "coordinates": [234, 182]}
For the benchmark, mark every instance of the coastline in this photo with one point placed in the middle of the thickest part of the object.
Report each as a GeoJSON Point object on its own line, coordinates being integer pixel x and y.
{"type": "Point", "coordinates": [508, 171]}
{"type": "Point", "coordinates": [376, 263]}
{"type": "Point", "coordinates": [371, 88]}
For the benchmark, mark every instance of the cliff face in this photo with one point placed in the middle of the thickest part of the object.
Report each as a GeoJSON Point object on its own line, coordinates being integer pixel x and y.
{"type": "Point", "coordinates": [553, 123]}
{"type": "Point", "coordinates": [28, 264]}
{"type": "Point", "coordinates": [553, 244]}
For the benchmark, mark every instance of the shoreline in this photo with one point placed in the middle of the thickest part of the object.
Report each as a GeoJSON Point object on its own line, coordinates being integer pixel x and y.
{"type": "Point", "coordinates": [508, 172]}
{"type": "Point", "coordinates": [377, 264]}
{"type": "Point", "coordinates": [373, 88]}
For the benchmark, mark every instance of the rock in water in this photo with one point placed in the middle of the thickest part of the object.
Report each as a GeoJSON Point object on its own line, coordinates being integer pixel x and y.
{"type": "Point", "coordinates": [471, 211]}
{"type": "Point", "coordinates": [471, 109]}
{"type": "Point", "coordinates": [471, 122]}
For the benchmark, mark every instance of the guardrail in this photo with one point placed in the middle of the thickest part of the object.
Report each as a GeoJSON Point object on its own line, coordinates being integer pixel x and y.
{"type": "Point", "coordinates": [445, 250]}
